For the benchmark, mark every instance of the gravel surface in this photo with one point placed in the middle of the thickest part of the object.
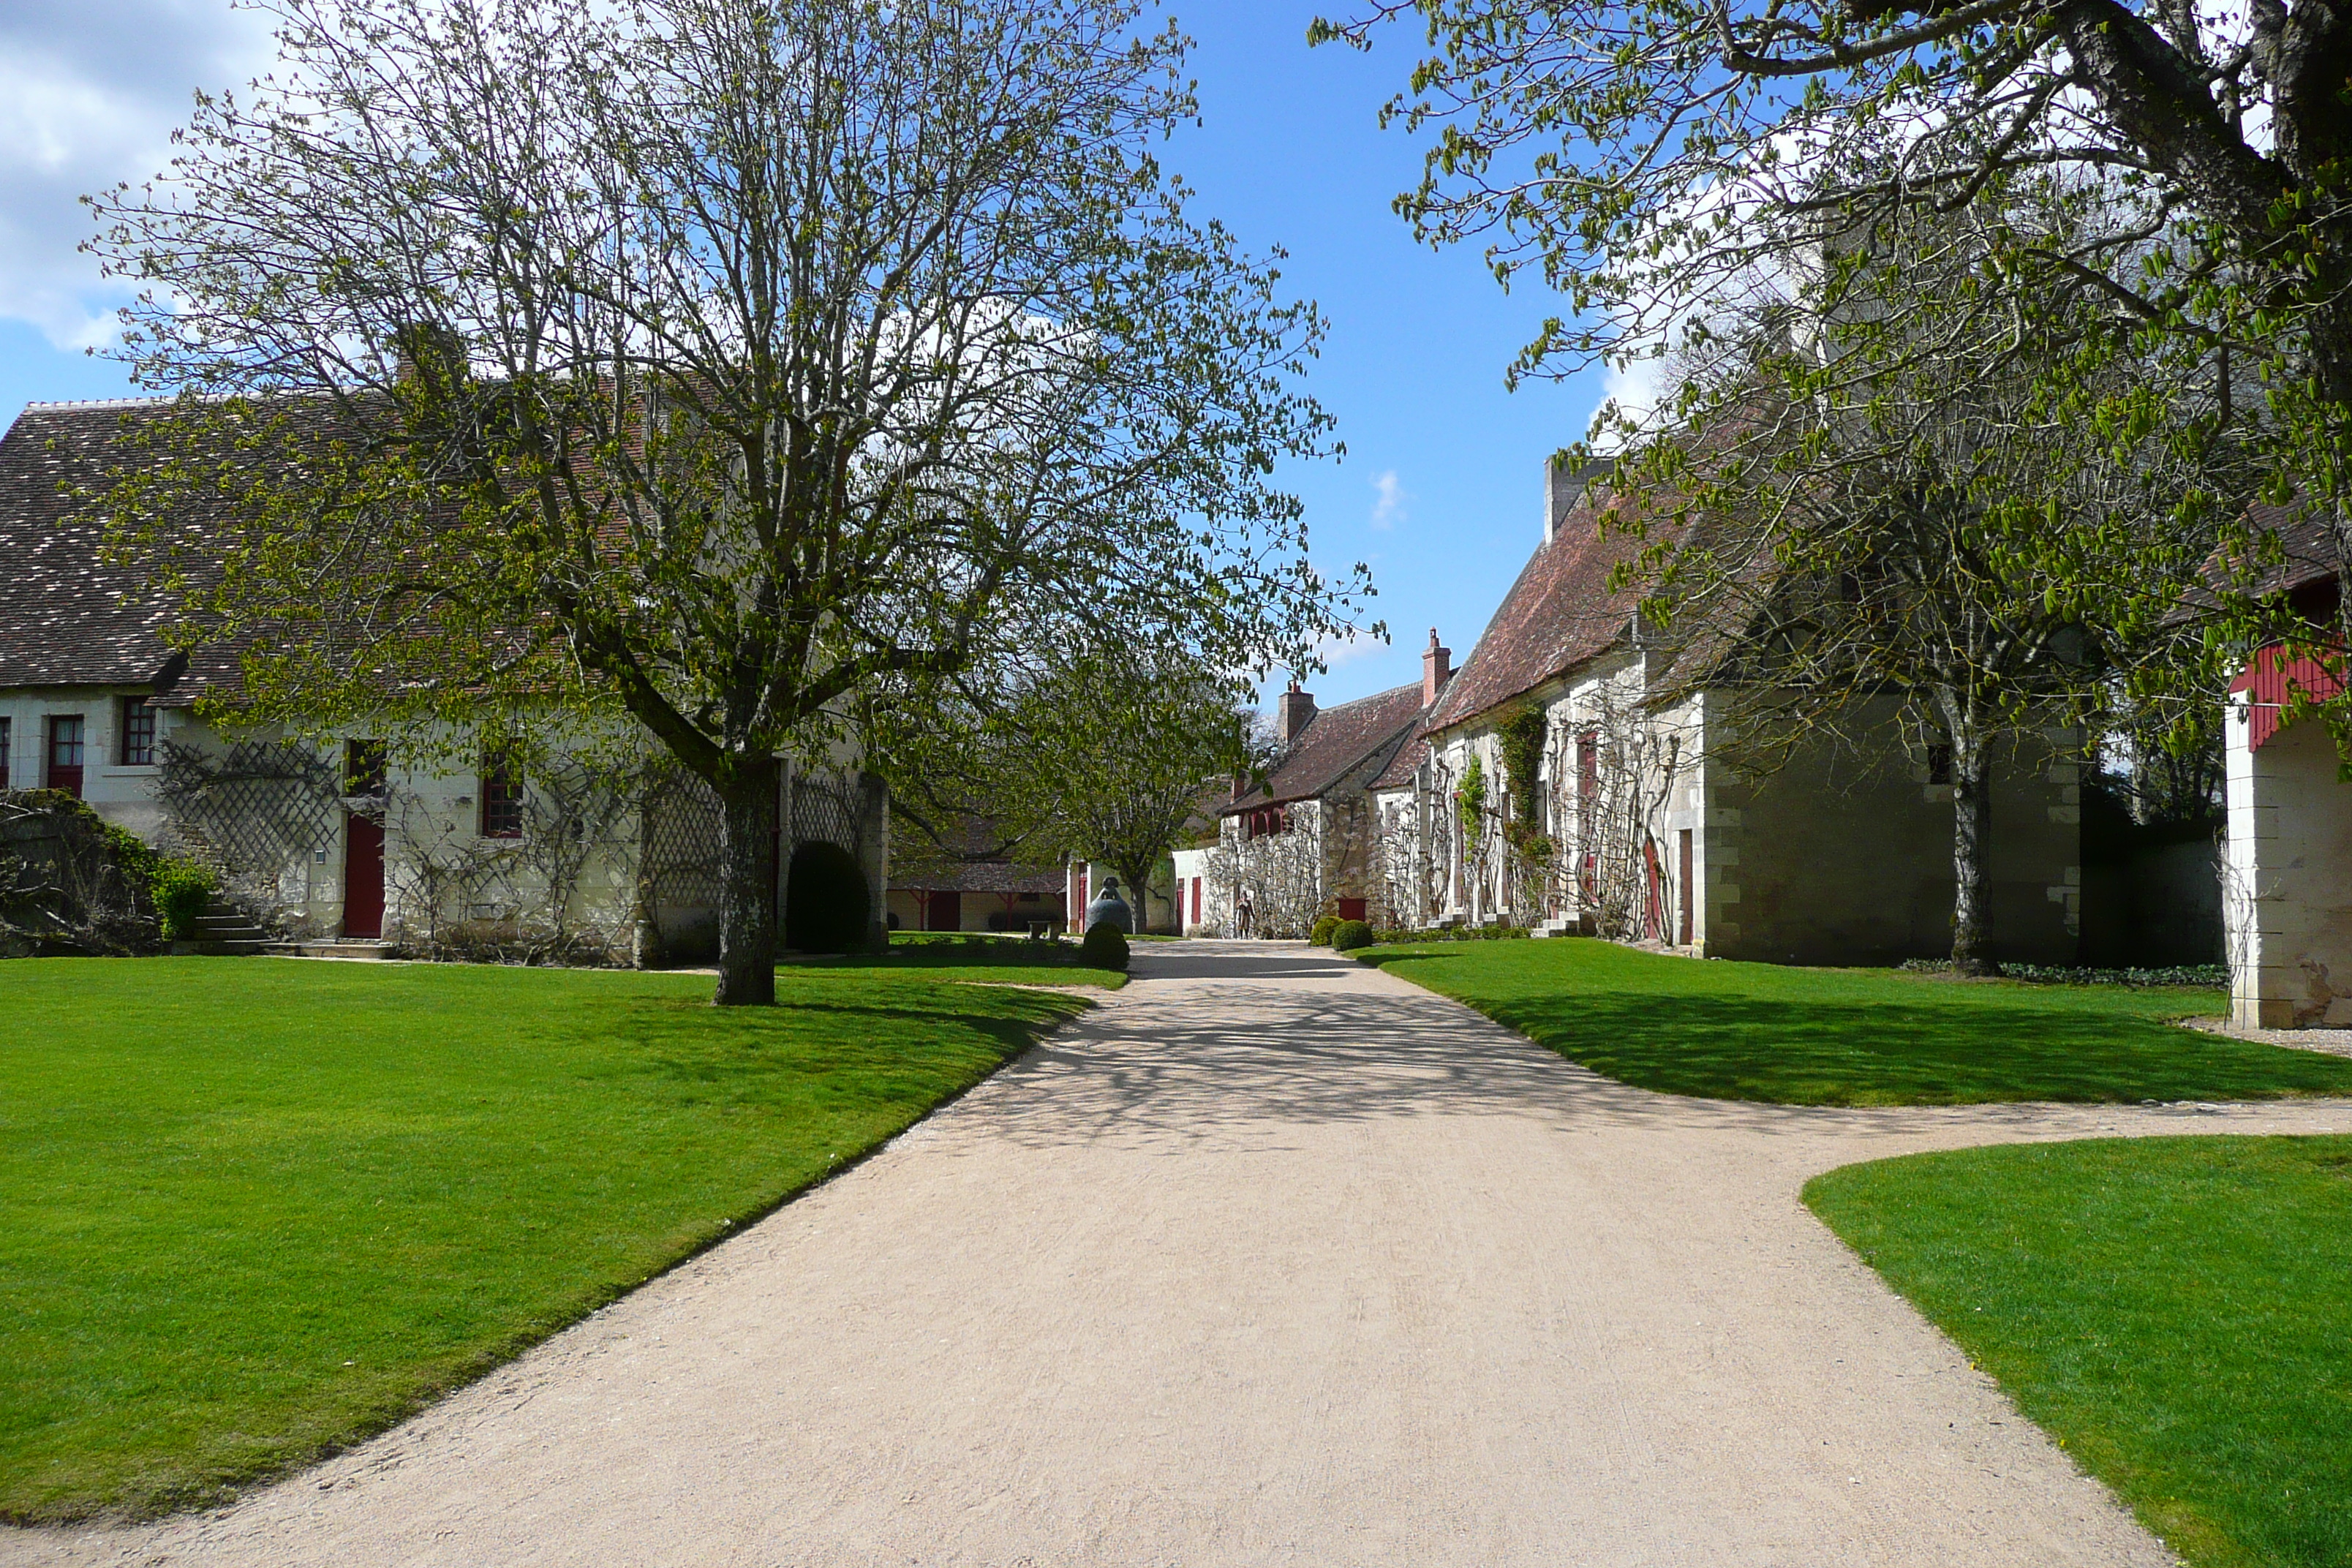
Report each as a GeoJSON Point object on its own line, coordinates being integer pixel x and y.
{"type": "Point", "coordinates": [1272, 1259]}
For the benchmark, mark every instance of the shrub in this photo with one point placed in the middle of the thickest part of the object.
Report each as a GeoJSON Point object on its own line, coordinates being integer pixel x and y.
{"type": "Point", "coordinates": [1456, 934]}
{"type": "Point", "coordinates": [1351, 934]}
{"type": "Point", "coordinates": [1321, 935]}
{"type": "Point", "coordinates": [826, 906]}
{"type": "Point", "coordinates": [183, 890]}
{"type": "Point", "coordinates": [1105, 947]}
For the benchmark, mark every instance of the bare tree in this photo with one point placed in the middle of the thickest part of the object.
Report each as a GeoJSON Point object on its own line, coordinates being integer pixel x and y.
{"type": "Point", "coordinates": [717, 362]}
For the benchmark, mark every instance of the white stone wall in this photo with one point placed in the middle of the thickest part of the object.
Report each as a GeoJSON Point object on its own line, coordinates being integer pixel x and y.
{"type": "Point", "coordinates": [122, 795]}
{"type": "Point", "coordinates": [2287, 881]}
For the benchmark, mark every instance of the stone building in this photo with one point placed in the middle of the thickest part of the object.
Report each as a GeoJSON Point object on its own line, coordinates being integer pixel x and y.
{"type": "Point", "coordinates": [1573, 777]}
{"type": "Point", "coordinates": [1302, 844]}
{"type": "Point", "coordinates": [446, 843]}
{"type": "Point", "coordinates": [2287, 885]}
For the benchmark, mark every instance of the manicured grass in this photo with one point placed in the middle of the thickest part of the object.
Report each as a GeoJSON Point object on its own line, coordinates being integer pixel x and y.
{"type": "Point", "coordinates": [254, 1209]}
{"type": "Point", "coordinates": [2173, 1310]}
{"type": "Point", "coordinates": [1853, 1037]}
{"type": "Point", "coordinates": [997, 960]}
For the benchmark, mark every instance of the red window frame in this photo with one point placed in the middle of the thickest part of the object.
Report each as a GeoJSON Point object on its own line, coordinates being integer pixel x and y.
{"type": "Point", "coordinates": [134, 744]}
{"type": "Point", "coordinates": [501, 797]}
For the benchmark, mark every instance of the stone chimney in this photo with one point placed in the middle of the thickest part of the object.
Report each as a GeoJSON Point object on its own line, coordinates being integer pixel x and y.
{"type": "Point", "coordinates": [1295, 711]}
{"type": "Point", "coordinates": [1563, 486]}
{"type": "Point", "coordinates": [1436, 668]}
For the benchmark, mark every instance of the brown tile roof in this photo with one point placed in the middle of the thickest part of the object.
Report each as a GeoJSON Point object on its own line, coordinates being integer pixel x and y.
{"type": "Point", "coordinates": [1406, 762]}
{"type": "Point", "coordinates": [2309, 542]}
{"type": "Point", "coordinates": [68, 618]}
{"type": "Point", "coordinates": [1558, 613]}
{"type": "Point", "coordinates": [1337, 742]}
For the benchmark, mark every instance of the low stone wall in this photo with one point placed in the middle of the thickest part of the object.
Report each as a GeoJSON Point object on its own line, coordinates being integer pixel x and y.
{"type": "Point", "coordinates": [65, 887]}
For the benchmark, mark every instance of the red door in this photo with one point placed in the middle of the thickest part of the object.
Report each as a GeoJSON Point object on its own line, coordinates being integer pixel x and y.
{"type": "Point", "coordinates": [64, 769]}
{"type": "Point", "coordinates": [363, 877]}
{"type": "Point", "coordinates": [946, 910]}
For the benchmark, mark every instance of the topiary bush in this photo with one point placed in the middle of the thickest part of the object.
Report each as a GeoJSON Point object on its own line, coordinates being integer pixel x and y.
{"type": "Point", "coordinates": [826, 905]}
{"type": "Point", "coordinates": [1321, 935]}
{"type": "Point", "coordinates": [1350, 936]}
{"type": "Point", "coordinates": [1105, 947]}
{"type": "Point", "coordinates": [182, 891]}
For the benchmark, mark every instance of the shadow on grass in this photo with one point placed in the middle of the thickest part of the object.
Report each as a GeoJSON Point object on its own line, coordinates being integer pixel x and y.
{"type": "Point", "coordinates": [1857, 1038]}
{"type": "Point", "coordinates": [943, 951]}
{"type": "Point", "coordinates": [1728, 1048]}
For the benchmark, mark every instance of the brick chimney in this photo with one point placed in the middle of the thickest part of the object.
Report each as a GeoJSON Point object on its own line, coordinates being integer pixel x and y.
{"type": "Point", "coordinates": [1294, 713]}
{"type": "Point", "coordinates": [1436, 668]}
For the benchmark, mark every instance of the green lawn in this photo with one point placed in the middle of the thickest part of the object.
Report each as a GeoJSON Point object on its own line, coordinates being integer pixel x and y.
{"type": "Point", "coordinates": [251, 1209]}
{"type": "Point", "coordinates": [999, 960]}
{"type": "Point", "coordinates": [1853, 1037]}
{"type": "Point", "coordinates": [2173, 1310]}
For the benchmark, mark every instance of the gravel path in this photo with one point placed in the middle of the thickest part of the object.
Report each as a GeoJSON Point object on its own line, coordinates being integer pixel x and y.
{"type": "Point", "coordinates": [1275, 1259]}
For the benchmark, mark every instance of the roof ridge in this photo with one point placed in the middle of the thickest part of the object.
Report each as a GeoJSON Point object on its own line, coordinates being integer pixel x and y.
{"type": "Point", "coordinates": [70, 403]}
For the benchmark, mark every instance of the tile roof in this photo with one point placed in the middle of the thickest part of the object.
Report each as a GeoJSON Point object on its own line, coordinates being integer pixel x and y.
{"type": "Point", "coordinates": [1335, 741]}
{"type": "Point", "coordinates": [68, 618]}
{"type": "Point", "coordinates": [1559, 613]}
{"type": "Point", "coordinates": [2306, 540]}
{"type": "Point", "coordinates": [1407, 761]}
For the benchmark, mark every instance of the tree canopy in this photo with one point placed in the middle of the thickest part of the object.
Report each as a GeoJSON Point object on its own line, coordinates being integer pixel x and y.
{"type": "Point", "coordinates": [717, 363]}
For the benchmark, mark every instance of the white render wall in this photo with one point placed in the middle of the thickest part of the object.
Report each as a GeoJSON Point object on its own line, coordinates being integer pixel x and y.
{"type": "Point", "coordinates": [122, 795]}
{"type": "Point", "coordinates": [2287, 881]}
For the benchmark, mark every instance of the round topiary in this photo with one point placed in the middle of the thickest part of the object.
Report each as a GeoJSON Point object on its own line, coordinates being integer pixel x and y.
{"type": "Point", "coordinates": [1105, 947]}
{"type": "Point", "coordinates": [1351, 934]}
{"type": "Point", "coordinates": [826, 905]}
{"type": "Point", "coordinates": [1321, 935]}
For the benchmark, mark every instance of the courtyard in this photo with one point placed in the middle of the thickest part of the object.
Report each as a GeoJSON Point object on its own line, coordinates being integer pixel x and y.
{"type": "Point", "coordinates": [1269, 1256]}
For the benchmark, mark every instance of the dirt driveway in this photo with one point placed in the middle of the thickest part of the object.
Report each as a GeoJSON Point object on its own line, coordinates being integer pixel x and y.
{"type": "Point", "coordinates": [1275, 1259]}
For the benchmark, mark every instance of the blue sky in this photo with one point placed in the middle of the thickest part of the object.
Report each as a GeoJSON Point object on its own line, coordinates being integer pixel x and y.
{"type": "Point", "coordinates": [1440, 490]}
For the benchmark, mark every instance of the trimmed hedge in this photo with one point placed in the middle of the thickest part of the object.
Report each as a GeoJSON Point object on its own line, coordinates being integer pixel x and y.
{"type": "Point", "coordinates": [1321, 935]}
{"type": "Point", "coordinates": [1457, 933]}
{"type": "Point", "coordinates": [1350, 936]}
{"type": "Point", "coordinates": [1105, 947]}
{"type": "Point", "coordinates": [183, 890]}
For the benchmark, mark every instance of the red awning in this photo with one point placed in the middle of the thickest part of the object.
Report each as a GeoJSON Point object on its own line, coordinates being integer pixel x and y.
{"type": "Point", "coordinates": [2273, 679]}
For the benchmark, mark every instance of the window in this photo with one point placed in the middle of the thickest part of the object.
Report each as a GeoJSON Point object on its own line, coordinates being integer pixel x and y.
{"type": "Point", "coordinates": [136, 747]}
{"type": "Point", "coordinates": [4, 753]}
{"type": "Point", "coordinates": [64, 759]}
{"type": "Point", "coordinates": [1939, 764]}
{"type": "Point", "coordinates": [502, 796]}
{"type": "Point", "coordinates": [363, 767]}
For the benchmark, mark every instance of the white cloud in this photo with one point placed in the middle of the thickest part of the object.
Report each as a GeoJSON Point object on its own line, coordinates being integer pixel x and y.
{"type": "Point", "coordinates": [1337, 651]}
{"type": "Point", "coordinates": [89, 96]}
{"type": "Point", "coordinates": [1388, 506]}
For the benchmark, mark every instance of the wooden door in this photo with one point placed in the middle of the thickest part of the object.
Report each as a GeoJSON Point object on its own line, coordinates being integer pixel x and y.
{"type": "Point", "coordinates": [946, 910]}
{"type": "Point", "coordinates": [363, 876]}
{"type": "Point", "coordinates": [64, 769]}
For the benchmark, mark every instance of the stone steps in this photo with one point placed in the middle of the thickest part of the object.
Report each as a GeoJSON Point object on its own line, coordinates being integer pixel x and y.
{"type": "Point", "coordinates": [223, 930]}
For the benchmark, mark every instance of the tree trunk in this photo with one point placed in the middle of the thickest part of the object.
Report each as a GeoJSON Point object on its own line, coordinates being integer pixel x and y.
{"type": "Point", "coordinates": [747, 894]}
{"type": "Point", "coordinates": [1138, 890]}
{"type": "Point", "coordinates": [1971, 845]}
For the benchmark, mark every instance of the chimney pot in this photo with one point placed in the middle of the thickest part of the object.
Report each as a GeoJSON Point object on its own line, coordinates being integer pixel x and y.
{"type": "Point", "coordinates": [1436, 668]}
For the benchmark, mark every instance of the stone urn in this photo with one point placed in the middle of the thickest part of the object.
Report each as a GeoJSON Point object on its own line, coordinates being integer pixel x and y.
{"type": "Point", "coordinates": [1110, 906]}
